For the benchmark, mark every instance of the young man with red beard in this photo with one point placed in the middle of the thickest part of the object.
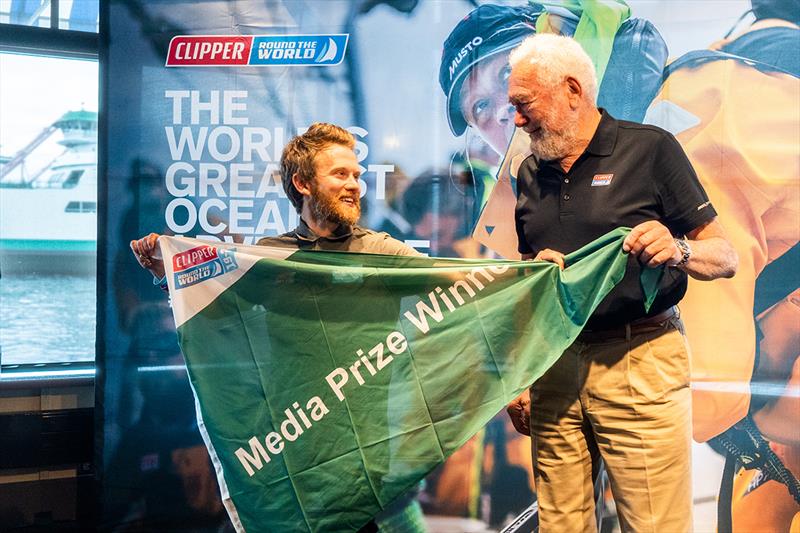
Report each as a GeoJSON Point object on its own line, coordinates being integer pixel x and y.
{"type": "Point", "coordinates": [320, 173]}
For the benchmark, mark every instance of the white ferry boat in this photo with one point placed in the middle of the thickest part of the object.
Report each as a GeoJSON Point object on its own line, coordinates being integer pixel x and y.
{"type": "Point", "coordinates": [48, 223]}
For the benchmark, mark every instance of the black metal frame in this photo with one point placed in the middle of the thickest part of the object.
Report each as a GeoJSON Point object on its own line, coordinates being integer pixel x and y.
{"type": "Point", "coordinates": [49, 41]}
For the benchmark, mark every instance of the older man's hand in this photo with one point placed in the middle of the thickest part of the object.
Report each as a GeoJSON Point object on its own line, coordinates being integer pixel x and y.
{"type": "Point", "coordinates": [552, 256]}
{"type": "Point", "coordinates": [146, 252]}
{"type": "Point", "coordinates": [653, 244]}
{"type": "Point", "coordinates": [519, 410]}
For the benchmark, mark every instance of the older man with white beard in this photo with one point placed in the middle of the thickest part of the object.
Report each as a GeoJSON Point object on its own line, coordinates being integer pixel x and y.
{"type": "Point", "coordinates": [621, 391]}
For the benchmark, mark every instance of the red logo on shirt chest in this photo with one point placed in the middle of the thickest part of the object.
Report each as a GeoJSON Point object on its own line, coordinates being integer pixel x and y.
{"type": "Point", "coordinates": [601, 180]}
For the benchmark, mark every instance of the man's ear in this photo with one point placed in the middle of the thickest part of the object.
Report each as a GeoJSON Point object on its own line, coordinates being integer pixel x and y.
{"type": "Point", "coordinates": [575, 91]}
{"type": "Point", "coordinates": [301, 186]}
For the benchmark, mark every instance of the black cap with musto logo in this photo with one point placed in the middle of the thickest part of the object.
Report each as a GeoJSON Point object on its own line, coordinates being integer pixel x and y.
{"type": "Point", "coordinates": [484, 32]}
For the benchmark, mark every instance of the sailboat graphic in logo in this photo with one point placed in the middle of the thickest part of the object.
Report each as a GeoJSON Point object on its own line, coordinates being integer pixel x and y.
{"type": "Point", "coordinates": [298, 50]}
{"type": "Point", "coordinates": [328, 52]}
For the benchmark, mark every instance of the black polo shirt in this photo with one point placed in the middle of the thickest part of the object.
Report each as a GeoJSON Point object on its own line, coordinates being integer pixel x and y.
{"type": "Point", "coordinates": [629, 173]}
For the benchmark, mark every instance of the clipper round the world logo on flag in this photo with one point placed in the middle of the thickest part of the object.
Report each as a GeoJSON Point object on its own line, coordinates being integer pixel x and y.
{"type": "Point", "coordinates": [200, 264]}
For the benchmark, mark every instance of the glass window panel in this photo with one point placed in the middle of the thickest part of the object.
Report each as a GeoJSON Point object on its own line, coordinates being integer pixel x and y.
{"type": "Point", "coordinates": [78, 15]}
{"type": "Point", "coordinates": [26, 12]}
{"type": "Point", "coordinates": [48, 208]}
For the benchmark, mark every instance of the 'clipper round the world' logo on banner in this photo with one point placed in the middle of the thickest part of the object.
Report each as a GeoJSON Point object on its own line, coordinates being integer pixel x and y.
{"type": "Point", "coordinates": [256, 50]}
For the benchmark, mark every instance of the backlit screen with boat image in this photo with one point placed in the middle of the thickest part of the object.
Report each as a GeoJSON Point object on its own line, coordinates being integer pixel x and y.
{"type": "Point", "coordinates": [48, 209]}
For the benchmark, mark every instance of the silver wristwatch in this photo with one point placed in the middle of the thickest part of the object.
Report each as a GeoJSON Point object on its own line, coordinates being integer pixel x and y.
{"type": "Point", "coordinates": [686, 252]}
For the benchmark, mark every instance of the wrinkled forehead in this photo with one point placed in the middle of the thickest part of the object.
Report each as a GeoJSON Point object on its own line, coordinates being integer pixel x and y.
{"type": "Point", "coordinates": [524, 80]}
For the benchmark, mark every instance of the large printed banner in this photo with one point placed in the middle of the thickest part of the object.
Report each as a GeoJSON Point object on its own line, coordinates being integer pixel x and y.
{"type": "Point", "coordinates": [330, 383]}
{"type": "Point", "coordinates": [202, 96]}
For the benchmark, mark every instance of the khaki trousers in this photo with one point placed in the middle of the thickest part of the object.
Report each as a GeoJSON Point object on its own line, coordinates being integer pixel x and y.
{"type": "Point", "coordinates": [628, 400]}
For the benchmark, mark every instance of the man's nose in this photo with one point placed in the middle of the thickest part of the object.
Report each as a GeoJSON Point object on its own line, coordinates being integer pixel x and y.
{"type": "Point", "coordinates": [520, 120]}
{"type": "Point", "coordinates": [352, 183]}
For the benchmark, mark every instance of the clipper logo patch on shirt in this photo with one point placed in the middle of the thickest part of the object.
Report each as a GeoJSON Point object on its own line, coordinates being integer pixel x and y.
{"type": "Point", "coordinates": [601, 180]}
{"type": "Point", "coordinates": [200, 264]}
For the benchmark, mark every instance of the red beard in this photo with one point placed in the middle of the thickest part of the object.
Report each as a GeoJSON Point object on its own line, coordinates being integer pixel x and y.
{"type": "Point", "coordinates": [330, 208]}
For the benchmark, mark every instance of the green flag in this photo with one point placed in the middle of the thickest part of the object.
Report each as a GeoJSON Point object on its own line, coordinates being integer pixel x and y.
{"type": "Point", "coordinates": [330, 383]}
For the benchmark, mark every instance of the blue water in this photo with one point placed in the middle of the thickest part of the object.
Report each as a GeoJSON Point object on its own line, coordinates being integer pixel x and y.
{"type": "Point", "coordinates": [47, 319]}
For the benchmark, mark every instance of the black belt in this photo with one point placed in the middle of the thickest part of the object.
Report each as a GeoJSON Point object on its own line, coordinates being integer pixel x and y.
{"type": "Point", "coordinates": [625, 331]}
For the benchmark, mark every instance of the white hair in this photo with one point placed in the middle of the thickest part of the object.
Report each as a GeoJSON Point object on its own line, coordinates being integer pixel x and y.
{"type": "Point", "coordinates": [556, 58]}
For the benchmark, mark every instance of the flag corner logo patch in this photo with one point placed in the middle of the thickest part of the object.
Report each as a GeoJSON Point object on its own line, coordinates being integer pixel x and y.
{"type": "Point", "coordinates": [200, 264]}
{"type": "Point", "coordinates": [601, 180]}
